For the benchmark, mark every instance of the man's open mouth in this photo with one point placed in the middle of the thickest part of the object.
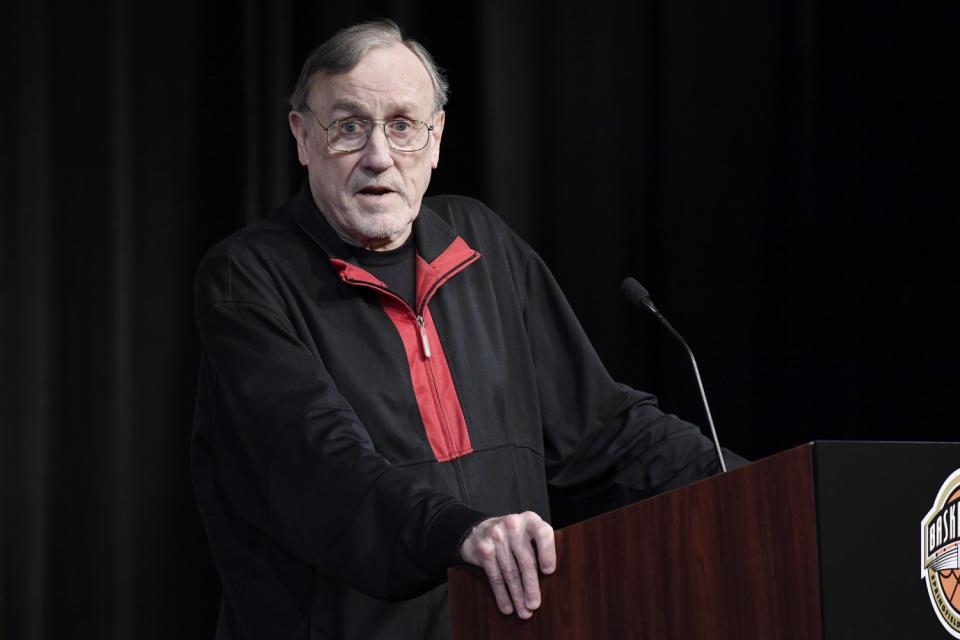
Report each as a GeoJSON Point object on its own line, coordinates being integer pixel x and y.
{"type": "Point", "coordinates": [375, 191]}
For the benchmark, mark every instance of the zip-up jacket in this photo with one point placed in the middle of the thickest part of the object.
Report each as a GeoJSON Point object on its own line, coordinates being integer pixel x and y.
{"type": "Point", "coordinates": [344, 442]}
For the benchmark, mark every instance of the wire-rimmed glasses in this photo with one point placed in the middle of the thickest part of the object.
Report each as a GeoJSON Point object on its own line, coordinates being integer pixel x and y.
{"type": "Point", "coordinates": [352, 134]}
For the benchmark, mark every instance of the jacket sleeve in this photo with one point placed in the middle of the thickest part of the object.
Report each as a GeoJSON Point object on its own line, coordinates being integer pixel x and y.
{"type": "Point", "coordinates": [291, 455]}
{"type": "Point", "coordinates": [600, 434]}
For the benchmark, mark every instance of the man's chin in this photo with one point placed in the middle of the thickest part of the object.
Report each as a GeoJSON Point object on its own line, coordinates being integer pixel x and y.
{"type": "Point", "coordinates": [382, 225]}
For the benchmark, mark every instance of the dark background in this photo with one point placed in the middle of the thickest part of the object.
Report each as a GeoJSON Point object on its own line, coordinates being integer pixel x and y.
{"type": "Point", "coordinates": [780, 175]}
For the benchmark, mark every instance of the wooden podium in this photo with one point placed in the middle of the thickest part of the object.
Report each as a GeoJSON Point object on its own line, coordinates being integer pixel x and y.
{"type": "Point", "coordinates": [821, 541]}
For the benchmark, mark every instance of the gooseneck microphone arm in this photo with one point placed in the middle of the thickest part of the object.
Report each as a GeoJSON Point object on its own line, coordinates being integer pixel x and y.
{"type": "Point", "coordinates": [636, 294]}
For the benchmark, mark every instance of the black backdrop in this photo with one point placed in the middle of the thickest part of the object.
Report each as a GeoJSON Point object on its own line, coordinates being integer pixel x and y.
{"type": "Point", "coordinates": [781, 175]}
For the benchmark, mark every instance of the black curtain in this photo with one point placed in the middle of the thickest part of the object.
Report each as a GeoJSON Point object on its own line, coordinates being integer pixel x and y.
{"type": "Point", "coordinates": [781, 176]}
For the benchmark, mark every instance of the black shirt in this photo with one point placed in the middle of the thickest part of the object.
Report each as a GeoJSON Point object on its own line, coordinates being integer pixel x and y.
{"type": "Point", "coordinates": [395, 267]}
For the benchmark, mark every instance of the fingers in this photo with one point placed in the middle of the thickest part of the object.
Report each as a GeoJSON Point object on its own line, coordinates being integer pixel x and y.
{"type": "Point", "coordinates": [487, 553]}
{"type": "Point", "coordinates": [510, 549]}
{"type": "Point", "coordinates": [546, 547]}
{"type": "Point", "coordinates": [519, 528]}
{"type": "Point", "coordinates": [506, 537]}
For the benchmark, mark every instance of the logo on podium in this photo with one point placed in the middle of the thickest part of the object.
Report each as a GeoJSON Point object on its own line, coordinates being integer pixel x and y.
{"type": "Point", "coordinates": [939, 559]}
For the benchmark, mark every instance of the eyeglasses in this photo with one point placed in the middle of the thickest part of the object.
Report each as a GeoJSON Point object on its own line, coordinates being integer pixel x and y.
{"type": "Point", "coordinates": [352, 134]}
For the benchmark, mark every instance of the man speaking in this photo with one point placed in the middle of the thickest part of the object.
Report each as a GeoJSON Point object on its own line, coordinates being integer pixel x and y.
{"type": "Point", "coordinates": [392, 384]}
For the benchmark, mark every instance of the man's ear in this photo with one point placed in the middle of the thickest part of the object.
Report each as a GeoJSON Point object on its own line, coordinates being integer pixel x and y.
{"type": "Point", "coordinates": [437, 134]}
{"type": "Point", "coordinates": [301, 131]}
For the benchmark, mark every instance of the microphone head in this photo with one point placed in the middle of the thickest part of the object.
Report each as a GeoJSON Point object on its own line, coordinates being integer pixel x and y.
{"type": "Point", "coordinates": [634, 291]}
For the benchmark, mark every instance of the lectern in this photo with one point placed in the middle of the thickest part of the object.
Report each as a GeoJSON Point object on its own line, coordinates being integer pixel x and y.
{"type": "Point", "coordinates": [821, 541]}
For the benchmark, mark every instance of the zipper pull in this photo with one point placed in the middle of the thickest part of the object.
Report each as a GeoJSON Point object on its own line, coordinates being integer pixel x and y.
{"type": "Point", "coordinates": [424, 340]}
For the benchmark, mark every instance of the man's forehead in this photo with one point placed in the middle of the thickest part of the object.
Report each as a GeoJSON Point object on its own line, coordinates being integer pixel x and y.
{"type": "Point", "coordinates": [397, 104]}
{"type": "Point", "coordinates": [393, 77]}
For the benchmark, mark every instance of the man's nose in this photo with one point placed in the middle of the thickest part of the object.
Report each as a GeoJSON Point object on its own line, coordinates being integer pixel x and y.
{"type": "Point", "coordinates": [377, 153]}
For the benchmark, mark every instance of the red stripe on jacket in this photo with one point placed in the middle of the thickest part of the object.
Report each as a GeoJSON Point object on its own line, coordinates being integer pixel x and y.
{"type": "Point", "coordinates": [436, 395]}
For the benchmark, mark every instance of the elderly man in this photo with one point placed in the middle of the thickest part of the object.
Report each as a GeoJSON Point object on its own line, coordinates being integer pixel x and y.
{"type": "Point", "coordinates": [390, 383]}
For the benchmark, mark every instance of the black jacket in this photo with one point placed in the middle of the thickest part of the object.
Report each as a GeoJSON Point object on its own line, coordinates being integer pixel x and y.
{"type": "Point", "coordinates": [344, 443]}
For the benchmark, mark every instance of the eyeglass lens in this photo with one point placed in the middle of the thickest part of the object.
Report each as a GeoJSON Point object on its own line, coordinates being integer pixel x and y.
{"type": "Point", "coordinates": [352, 134]}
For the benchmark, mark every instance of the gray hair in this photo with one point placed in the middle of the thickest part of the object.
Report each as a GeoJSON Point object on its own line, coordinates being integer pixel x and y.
{"type": "Point", "coordinates": [343, 52]}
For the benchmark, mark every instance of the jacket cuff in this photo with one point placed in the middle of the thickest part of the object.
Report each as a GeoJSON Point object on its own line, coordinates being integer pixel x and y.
{"type": "Point", "coordinates": [448, 531]}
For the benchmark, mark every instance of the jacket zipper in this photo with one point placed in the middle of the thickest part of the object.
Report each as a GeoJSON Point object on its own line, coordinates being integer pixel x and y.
{"type": "Point", "coordinates": [458, 467]}
{"type": "Point", "coordinates": [425, 345]}
{"type": "Point", "coordinates": [424, 340]}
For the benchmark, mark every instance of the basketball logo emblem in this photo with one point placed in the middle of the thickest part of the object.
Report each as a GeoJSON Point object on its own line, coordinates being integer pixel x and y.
{"type": "Point", "coordinates": [940, 554]}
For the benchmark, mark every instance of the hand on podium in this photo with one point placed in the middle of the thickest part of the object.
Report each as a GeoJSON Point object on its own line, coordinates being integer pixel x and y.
{"type": "Point", "coordinates": [510, 549]}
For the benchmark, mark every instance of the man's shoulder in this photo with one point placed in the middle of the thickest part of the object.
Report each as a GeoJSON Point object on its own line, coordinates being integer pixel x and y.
{"type": "Point", "coordinates": [452, 208]}
{"type": "Point", "coordinates": [257, 248]}
{"type": "Point", "coordinates": [265, 235]}
{"type": "Point", "coordinates": [482, 229]}
{"type": "Point", "coordinates": [470, 217]}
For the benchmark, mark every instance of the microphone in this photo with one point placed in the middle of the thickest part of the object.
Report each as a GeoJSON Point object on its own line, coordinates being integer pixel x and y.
{"type": "Point", "coordinates": [636, 294]}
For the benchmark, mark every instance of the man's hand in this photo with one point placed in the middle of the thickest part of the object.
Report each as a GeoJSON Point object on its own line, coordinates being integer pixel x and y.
{"type": "Point", "coordinates": [509, 548]}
